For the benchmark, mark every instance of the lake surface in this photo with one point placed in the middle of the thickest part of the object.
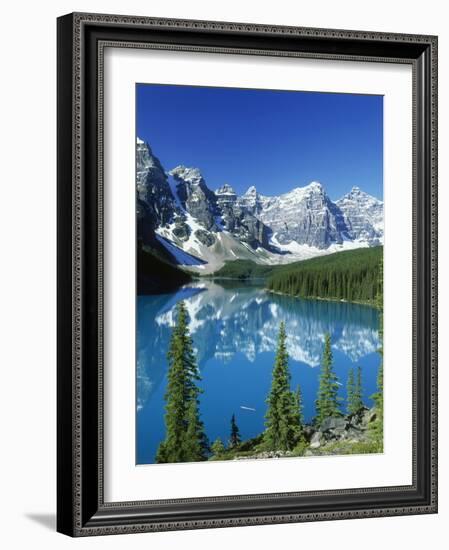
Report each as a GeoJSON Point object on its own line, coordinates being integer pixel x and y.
{"type": "Point", "coordinates": [234, 328]}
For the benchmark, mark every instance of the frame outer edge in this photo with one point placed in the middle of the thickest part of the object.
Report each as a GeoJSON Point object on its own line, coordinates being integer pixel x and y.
{"type": "Point", "coordinates": [434, 270]}
{"type": "Point", "coordinates": [65, 270]}
{"type": "Point", "coordinates": [69, 520]}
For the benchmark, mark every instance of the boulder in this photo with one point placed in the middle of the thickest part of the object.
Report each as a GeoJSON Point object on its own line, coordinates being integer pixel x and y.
{"type": "Point", "coordinates": [315, 442]}
{"type": "Point", "coordinates": [334, 423]}
{"type": "Point", "coordinates": [308, 432]}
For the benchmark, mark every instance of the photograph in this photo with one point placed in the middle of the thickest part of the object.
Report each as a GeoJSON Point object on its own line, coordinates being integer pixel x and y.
{"type": "Point", "coordinates": [259, 273]}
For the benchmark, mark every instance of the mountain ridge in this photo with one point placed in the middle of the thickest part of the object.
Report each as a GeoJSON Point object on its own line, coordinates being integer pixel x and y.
{"type": "Point", "coordinates": [178, 211]}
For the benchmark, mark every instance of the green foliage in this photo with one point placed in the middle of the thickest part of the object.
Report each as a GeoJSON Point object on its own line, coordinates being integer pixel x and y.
{"type": "Point", "coordinates": [343, 447]}
{"type": "Point", "coordinates": [243, 269]}
{"type": "Point", "coordinates": [328, 402]}
{"type": "Point", "coordinates": [379, 395]}
{"type": "Point", "coordinates": [352, 275]}
{"type": "Point", "coordinates": [380, 287]}
{"type": "Point", "coordinates": [299, 407]}
{"type": "Point", "coordinates": [282, 417]}
{"type": "Point", "coordinates": [185, 439]}
{"type": "Point", "coordinates": [377, 427]}
{"type": "Point", "coordinates": [235, 438]}
{"type": "Point", "coordinates": [196, 445]}
{"type": "Point", "coordinates": [218, 449]}
{"type": "Point", "coordinates": [354, 401]}
{"type": "Point", "coordinates": [247, 448]}
{"type": "Point", "coordinates": [156, 275]}
{"type": "Point", "coordinates": [350, 386]}
{"type": "Point", "coordinates": [358, 391]}
{"type": "Point", "coordinates": [300, 448]}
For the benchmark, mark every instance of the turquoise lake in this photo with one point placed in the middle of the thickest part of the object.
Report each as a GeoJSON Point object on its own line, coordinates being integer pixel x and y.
{"type": "Point", "coordinates": [234, 328]}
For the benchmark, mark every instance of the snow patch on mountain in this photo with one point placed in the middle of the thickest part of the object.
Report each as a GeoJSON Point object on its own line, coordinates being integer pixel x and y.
{"type": "Point", "coordinates": [182, 257]}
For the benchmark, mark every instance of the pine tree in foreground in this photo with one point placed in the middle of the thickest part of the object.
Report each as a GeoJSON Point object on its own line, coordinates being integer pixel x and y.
{"type": "Point", "coordinates": [299, 408]}
{"type": "Point", "coordinates": [282, 417]}
{"type": "Point", "coordinates": [185, 440]}
{"type": "Point", "coordinates": [328, 402]}
{"type": "Point", "coordinates": [354, 391]}
{"type": "Point", "coordinates": [377, 427]}
{"type": "Point", "coordinates": [358, 391]}
{"type": "Point", "coordinates": [217, 448]}
{"type": "Point", "coordinates": [235, 438]}
{"type": "Point", "coordinates": [196, 444]}
{"type": "Point", "coordinates": [301, 442]}
{"type": "Point", "coordinates": [379, 395]}
{"type": "Point", "coordinates": [350, 392]}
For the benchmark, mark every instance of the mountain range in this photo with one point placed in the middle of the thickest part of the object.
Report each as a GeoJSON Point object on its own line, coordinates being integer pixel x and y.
{"type": "Point", "coordinates": [187, 223]}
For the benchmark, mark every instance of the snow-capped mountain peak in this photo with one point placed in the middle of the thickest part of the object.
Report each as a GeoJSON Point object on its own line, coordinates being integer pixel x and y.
{"type": "Point", "coordinates": [363, 215]}
{"type": "Point", "coordinates": [314, 186]}
{"type": "Point", "coordinates": [191, 175]}
{"type": "Point", "coordinates": [301, 193]}
{"type": "Point", "coordinates": [179, 207]}
{"type": "Point", "coordinates": [225, 189]}
{"type": "Point", "coordinates": [251, 191]}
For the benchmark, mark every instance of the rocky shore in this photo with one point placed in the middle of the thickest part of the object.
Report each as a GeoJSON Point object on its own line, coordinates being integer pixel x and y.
{"type": "Point", "coordinates": [350, 434]}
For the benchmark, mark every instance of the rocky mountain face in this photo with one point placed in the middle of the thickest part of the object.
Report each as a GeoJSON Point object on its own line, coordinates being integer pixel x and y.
{"type": "Point", "coordinates": [239, 220]}
{"type": "Point", "coordinates": [305, 215]}
{"type": "Point", "coordinates": [155, 200]}
{"type": "Point", "coordinates": [194, 196]}
{"type": "Point", "coordinates": [202, 229]}
{"type": "Point", "coordinates": [363, 216]}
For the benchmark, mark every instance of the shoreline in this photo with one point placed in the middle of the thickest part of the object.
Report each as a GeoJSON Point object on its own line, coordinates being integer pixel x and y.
{"type": "Point", "coordinates": [250, 280]}
{"type": "Point", "coordinates": [339, 300]}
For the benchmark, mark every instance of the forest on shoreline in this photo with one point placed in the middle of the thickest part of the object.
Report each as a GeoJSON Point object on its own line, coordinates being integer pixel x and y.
{"type": "Point", "coordinates": [351, 275]}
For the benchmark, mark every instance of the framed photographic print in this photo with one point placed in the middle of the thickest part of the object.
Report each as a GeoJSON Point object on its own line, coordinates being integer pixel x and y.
{"type": "Point", "coordinates": [247, 288]}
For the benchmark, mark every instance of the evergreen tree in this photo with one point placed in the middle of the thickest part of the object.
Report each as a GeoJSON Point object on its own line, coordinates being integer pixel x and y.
{"type": "Point", "coordinates": [235, 438]}
{"type": "Point", "coordinates": [354, 392]}
{"type": "Point", "coordinates": [379, 395]}
{"type": "Point", "coordinates": [299, 407]}
{"type": "Point", "coordinates": [196, 445]}
{"type": "Point", "coordinates": [327, 403]}
{"type": "Point", "coordinates": [184, 430]}
{"type": "Point", "coordinates": [281, 420]}
{"type": "Point", "coordinates": [217, 448]}
{"type": "Point", "coordinates": [358, 391]}
{"type": "Point", "coordinates": [350, 386]}
{"type": "Point", "coordinates": [161, 455]}
{"type": "Point", "coordinates": [350, 275]}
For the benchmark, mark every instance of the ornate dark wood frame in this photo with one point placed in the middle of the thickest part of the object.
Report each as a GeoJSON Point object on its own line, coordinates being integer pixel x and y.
{"type": "Point", "coordinates": [81, 41]}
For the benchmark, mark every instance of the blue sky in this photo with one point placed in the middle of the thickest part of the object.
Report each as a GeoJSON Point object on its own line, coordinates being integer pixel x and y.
{"type": "Point", "coordinates": [275, 140]}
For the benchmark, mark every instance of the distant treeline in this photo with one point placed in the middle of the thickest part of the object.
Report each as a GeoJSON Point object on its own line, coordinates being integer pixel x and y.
{"type": "Point", "coordinates": [243, 269]}
{"type": "Point", "coordinates": [352, 275]}
{"type": "Point", "coordinates": [156, 275]}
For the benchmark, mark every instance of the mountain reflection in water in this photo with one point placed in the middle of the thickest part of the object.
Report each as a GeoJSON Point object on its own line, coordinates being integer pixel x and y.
{"type": "Point", "coordinates": [234, 328]}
